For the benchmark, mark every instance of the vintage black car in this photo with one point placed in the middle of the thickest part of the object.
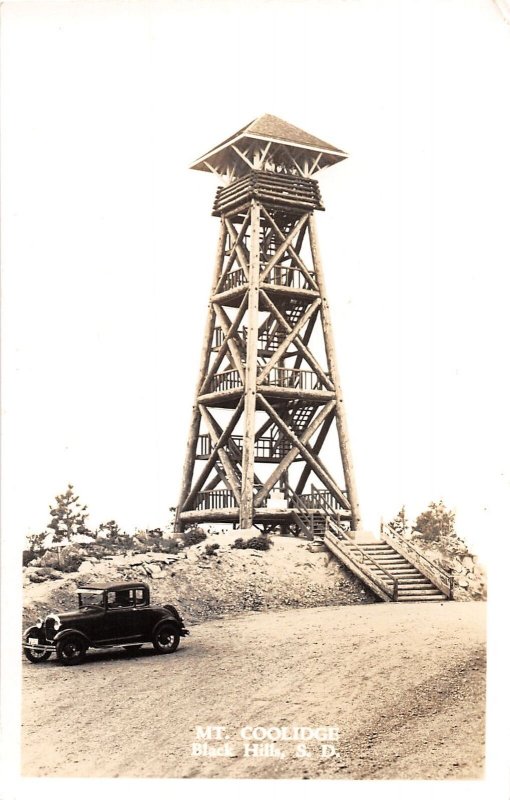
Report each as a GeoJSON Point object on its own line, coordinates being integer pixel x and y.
{"type": "Point", "coordinates": [108, 615]}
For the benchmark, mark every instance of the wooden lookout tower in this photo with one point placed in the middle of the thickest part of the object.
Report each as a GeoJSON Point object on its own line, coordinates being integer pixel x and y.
{"type": "Point", "coordinates": [268, 397]}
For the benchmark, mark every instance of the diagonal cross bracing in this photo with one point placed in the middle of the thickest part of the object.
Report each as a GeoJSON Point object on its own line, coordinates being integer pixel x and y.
{"type": "Point", "coordinates": [268, 390]}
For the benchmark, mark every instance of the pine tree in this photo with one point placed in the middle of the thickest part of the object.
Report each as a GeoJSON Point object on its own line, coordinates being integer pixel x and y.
{"type": "Point", "coordinates": [110, 530]}
{"type": "Point", "coordinates": [399, 523]}
{"type": "Point", "coordinates": [68, 516]}
{"type": "Point", "coordinates": [435, 523]}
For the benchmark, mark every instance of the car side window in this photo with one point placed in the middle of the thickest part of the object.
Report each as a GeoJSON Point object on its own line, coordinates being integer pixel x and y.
{"type": "Point", "coordinates": [141, 597]}
{"type": "Point", "coordinates": [124, 598]}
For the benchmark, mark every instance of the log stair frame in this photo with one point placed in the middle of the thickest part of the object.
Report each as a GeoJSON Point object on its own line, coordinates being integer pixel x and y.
{"type": "Point", "coordinates": [392, 567]}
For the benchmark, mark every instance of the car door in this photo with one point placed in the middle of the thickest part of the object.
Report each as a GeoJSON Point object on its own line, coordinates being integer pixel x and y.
{"type": "Point", "coordinates": [145, 615]}
{"type": "Point", "coordinates": [122, 621]}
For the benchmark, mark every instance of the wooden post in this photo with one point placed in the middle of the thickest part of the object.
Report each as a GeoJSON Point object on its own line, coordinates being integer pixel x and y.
{"type": "Point", "coordinates": [250, 373]}
{"type": "Point", "coordinates": [341, 421]}
{"type": "Point", "coordinates": [189, 462]}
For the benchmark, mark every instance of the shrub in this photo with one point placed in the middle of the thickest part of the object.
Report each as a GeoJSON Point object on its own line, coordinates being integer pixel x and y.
{"type": "Point", "coordinates": [210, 549]}
{"type": "Point", "coordinates": [255, 543]}
{"type": "Point", "coordinates": [28, 556]}
{"type": "Point", "coordinates": [71, 563]}
{"type": "Point", "coordinates": [168, 546]}
{"type": "Point", "coordinates": [193, 536]}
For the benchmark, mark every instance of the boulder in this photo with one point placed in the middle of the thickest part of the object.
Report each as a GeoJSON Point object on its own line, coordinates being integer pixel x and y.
{"type": "Point", "coordinates": [50, 559]}
{"type": "Point", "coordinates": [152, 570]}
{"type": "Point", "coordinates": [85, 566]}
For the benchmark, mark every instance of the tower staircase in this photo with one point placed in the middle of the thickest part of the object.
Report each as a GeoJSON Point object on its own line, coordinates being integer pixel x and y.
{"type": "Point", "coordinates": [391, 567]}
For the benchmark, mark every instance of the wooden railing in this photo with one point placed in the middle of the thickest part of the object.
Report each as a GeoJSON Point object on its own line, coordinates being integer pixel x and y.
{"type": "Point", "coordinates": [319, 498]}
{"type": "Point", "coordinates": [289, 276]}
{"type": "Point", "coordinates": [233, 279]}
{"type": "Point", "coordinates": [364, 562]}
{"type": "Point", "coordinates": [267, 340]}
{"type": "Point", "coordinates": [438, 576]}
{"type": "Point", "coordinates": [226, 380]}
{"type": "Point", "coordinates": [293, 379]}
{"type": "Point", "coordinates": [215, 498]}
{"type": "Point", "coordinates": [265, 446]}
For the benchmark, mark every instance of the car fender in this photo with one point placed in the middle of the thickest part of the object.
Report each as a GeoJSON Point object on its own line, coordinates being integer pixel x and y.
{"type": "Point", "coordinates": [34, 630]}
{"type": "Point", "coordinates": [61, 634]}
{"type": "Point", "coordinates": [177, 623]}
{"type": "Point", "coordinates": [169, 619]}
{"type": "Point", "coordinates": [173, 611]}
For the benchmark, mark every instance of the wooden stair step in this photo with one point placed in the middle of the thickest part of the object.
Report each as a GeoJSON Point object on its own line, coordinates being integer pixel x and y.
{"type": "Point", "coordinates": [412, 583]}
{"type": "Point", "coordinates": [434, 598]}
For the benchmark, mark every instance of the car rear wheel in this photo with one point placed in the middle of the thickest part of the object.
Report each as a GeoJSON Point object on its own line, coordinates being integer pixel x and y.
{"type": "Point", "coordinates": [36, 656]}
{"type": "Point", "coordinates": [166, 639]}
{"type": "Point", "coordinates": [71, 651]}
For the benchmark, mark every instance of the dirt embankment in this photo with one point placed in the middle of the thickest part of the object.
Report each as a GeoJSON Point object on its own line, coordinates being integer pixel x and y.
{"type": "Point", "coordinates": [202, 587]}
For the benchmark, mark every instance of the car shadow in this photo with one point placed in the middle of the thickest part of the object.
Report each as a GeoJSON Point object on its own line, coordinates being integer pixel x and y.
{"type": "Point", "coordinates": [110, 655]}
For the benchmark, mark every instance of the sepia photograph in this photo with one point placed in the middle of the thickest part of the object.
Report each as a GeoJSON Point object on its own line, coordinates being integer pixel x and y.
{"type": "Point", "coordinates": [255, 430]}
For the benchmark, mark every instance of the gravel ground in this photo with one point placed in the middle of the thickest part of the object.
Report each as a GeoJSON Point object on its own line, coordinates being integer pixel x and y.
{"type": "Point", "coordinates": [404, 685]}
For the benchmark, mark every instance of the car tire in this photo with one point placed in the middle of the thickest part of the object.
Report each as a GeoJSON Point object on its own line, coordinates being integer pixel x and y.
{"type": "Point", "coordinates": [71, 650]}
{"type": "Point", "coordinates": [36, 656]}
{"type": "Point", "coordinates": [165, 638]}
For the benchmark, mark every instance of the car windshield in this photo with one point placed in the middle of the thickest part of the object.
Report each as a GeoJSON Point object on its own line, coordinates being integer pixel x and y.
{"type": "Point", "coordinates": [88, 597]}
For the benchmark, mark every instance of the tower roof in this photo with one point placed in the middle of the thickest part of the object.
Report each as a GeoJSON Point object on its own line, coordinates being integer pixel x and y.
{"type": "Point", "coordinates": [269, 142]}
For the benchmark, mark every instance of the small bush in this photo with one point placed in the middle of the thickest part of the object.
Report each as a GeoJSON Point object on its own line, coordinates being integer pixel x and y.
{"type": "Point", "coordinates": [210, 549]}
{"type": "Point", "coordinates": [239, 544]}
{"type": "Point", "coordinates": [28, 556]}
{"type": "Point", "coordinates": [193, 536]}
{"type": "Point", "coordinates": [255, 543]}
{"type": "Point", "coordinates": [71, 563]}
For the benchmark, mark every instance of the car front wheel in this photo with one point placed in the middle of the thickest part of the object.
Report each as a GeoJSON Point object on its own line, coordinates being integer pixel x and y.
{"type": "Point", "coordinates": [71, 651]}
{"type": "Point", "coordinates": [166, 639]}
{"type": "Point", "coordinates": [36, 656]}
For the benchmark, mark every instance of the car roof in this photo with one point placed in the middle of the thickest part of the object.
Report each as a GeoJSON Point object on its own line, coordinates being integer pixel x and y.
{"type": "Point", "coordinates": [113, 587]}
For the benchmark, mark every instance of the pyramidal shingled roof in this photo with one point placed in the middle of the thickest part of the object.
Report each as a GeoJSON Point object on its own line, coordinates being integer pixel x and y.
{"type": "Point", "coordinates": [275, 128]}
{"type": "Point", "coordinates": [269, 128]}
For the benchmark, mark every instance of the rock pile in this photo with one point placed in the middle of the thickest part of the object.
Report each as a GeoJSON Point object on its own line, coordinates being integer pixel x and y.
{"type": "Point", "coordinates": [452, 555]}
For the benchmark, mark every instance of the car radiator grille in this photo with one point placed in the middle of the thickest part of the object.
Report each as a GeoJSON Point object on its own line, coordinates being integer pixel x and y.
{"type": "Point", "coordinates": [49, 629]}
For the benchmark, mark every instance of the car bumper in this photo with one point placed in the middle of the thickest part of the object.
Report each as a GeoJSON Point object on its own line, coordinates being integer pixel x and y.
{"type": "Point", "coordinates": [40, 647]}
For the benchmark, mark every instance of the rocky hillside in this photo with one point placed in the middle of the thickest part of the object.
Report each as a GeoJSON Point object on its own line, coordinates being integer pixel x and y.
{"type": "Point", "coordinates": [452, 554]}
{"type": "Point", "coordinates": [204, 586]}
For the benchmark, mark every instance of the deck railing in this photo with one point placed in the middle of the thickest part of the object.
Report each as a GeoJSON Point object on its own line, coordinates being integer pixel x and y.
{"type": "Point", "coordinates": [318, 498]}
{"type": "Point", "coordinates": [265, 446]}
{"type": "Point", "coordinates": [233, 279]}
{"type": "Point", "coordinates": [226, 380]}
{"type": "Point", "coordinates": [288, 276]}
{"type": "Point", "coordinates": [279, 275]}
{"type": "Point", "coordinates": [267, 340]}
{"type": "Point", "coordinates": [215, 498]}
{"type": "Point", "coordinates": [293, 379]}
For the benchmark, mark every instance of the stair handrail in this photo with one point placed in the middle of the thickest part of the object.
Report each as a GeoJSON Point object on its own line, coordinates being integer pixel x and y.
{"type": "Point", "coordinates": [389, 533]}
{"type": "Point", "coordinates": [365, 557]}
{"type": "Point", "coordinates": [298, 503]}
{"type": "Point", "coordinates": [324, 505]}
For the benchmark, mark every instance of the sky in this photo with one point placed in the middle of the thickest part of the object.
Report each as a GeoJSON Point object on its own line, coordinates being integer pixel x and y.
{"type": "Point", "coordinates": [108, 240]}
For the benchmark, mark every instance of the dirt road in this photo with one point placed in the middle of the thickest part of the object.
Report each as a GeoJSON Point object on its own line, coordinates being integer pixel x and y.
{"type": "Point", "coordinates": [404, 685]}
